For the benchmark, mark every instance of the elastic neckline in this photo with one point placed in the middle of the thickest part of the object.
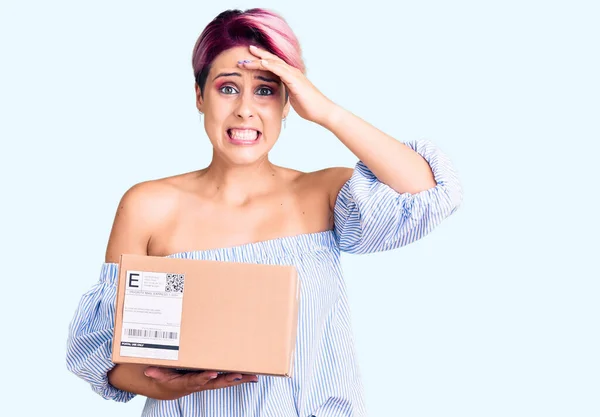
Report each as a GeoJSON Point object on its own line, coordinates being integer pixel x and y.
{"type": "Point", "coordinates": [276, 248]}
{"type": "Point", "coordinates": [272, 251]}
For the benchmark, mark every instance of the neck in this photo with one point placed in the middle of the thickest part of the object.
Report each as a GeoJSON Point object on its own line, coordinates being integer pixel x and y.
{"type": "Point", "coordinates": [236, 184]}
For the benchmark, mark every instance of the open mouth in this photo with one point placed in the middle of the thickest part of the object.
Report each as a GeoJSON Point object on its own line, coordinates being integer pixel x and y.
{"type": "Point", "coordinates": [243, 136]}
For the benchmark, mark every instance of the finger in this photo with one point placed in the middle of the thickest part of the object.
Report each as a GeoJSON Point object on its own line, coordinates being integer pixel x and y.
{"type": "Point", "coordinates": [223, 381]}
{"type": "Point", "coordinates": [233, 377]}
{"type": "Point", "coordinates": [195, 380]}
{"type": "Point", "coordinates": [160, 374]}
{"type": "Point", "coordinates": [262, 53]}
{"type": "Point", "coordinates": [236, 379]}
{"type": "Point", "coordinates": [250, 378]}
{"type": "Point", "coordinates": [244, 380]}
{"type": "Point", "coordinates": [231, 380]}
{"type": "Point", "coordinates": [283, 71]}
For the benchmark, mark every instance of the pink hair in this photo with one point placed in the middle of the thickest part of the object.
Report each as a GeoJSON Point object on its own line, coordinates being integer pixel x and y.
{"type": "Point", "coordinates": [232, 28]}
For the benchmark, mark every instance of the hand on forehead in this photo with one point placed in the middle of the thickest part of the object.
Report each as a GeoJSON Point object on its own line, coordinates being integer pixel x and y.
{"type": "Point", "coordinates": [227, 63]}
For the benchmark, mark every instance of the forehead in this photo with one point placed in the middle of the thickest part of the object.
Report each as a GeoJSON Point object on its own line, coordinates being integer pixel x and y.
{"type": "Point", "coordinates": [231, 56]}
{"type": "Point", "coordinates": [228, 59]}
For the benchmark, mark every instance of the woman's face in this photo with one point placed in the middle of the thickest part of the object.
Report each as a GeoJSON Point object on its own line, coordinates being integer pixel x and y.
{"type": "Point", "coordinates": [242, 108]}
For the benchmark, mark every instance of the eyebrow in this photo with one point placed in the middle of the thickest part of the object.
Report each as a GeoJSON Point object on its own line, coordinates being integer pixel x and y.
{"type": "Point", "coordinates": [237, 74]}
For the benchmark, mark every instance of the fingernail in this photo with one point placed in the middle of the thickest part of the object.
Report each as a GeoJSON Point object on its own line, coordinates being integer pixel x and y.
{"type": "Point", "coordinates": [252, 46]}
{"type": "Point", "coordinates": [263, 61]}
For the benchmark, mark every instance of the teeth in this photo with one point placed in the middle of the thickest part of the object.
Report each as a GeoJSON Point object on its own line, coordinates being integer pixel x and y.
{"type": "Point", "coordinates": [243, 134]}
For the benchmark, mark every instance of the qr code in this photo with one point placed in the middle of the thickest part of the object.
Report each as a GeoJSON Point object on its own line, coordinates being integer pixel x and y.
{"type": "Point", "coordinates": [174, 283]}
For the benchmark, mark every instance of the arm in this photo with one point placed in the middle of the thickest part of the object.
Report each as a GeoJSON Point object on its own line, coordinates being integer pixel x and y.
{"type": "Point", "coordinates": [131, 233]}
{"type": "Point", "coordinates": [90, 336]}
{"type": "Point", "coordinates": [89, 345]}
{"type": "Point", "coordinates": [397, 193]}
{"type": "Point", "coordinates": [370, 216]}
{"type": "Point", "coordinates": [390, 160]}
{"type": "Point", "coordinates": [141, 212]}
{"type": "Point", "coordinates": [142, 209]}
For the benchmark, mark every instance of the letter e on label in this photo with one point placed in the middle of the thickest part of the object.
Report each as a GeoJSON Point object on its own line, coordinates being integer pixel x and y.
{"type": "Point", "coordinates": [133, 280]}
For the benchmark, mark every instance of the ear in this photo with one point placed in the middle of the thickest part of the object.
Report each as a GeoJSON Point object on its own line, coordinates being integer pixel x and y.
{"type": "Point", "coordinates": [199, 99]}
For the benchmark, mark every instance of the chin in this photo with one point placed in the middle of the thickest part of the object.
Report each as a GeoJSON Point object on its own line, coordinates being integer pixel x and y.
{"type": "Point", "coordinates": [244, 152]}
{"type": "Point", "coordinates": [241, 160]}
{"type": "Point", "coordinates": [246, 155]}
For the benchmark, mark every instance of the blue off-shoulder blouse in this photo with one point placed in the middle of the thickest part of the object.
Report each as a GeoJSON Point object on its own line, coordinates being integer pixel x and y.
{"type": "Point", "coordinates": [369, 216]}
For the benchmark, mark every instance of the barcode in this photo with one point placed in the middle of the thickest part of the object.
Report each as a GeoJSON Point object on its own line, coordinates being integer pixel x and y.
{"type": "Point", "coordinates": [152, 334]}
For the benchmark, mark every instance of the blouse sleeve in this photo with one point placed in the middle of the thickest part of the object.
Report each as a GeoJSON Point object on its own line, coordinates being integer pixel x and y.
{"type": "Point", "coordinates": [370, 216]}
{"type": "Point", "coordinates": [89, 344]}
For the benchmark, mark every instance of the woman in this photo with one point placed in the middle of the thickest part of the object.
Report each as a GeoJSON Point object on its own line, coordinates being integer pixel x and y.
{"type": "Point", "coordinates": [243, 208]}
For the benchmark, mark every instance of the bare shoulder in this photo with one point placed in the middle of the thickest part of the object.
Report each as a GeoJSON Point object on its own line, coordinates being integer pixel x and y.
{"type": "Point", "coordinates": [331, 180]}
{"type": "Point", "coordinates": [151, 200]}
{"type": "Point", "coordinates": [142, 209]}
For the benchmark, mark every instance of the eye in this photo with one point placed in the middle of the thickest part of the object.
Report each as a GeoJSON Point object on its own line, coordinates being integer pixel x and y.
{"type": "Point", "coordinates": [227, 89]}
{"type": "Point", "coordinates": [264, 91]}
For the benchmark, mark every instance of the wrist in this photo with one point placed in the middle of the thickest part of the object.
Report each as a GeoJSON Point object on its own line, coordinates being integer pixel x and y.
{"type": "Point", "coordinates": [331, 116]}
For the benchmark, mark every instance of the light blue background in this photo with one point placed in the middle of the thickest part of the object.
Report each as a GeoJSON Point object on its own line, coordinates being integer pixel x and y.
{"type": "Point", "coordinates": [493, 314]}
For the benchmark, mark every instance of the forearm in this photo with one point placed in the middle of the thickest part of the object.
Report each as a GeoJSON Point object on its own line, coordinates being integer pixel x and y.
{"type": "Point", "coordinates": [394, 163]}
{"type": "Point", "coordinates": [131, 378]}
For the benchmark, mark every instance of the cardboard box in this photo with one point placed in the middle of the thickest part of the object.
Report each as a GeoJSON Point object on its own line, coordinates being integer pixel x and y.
{"type": "Point", "coordinates": [206, 315]}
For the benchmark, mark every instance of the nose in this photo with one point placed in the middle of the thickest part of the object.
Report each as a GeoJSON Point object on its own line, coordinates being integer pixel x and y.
{"type": "Point", "coordinates": [245, 108]}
